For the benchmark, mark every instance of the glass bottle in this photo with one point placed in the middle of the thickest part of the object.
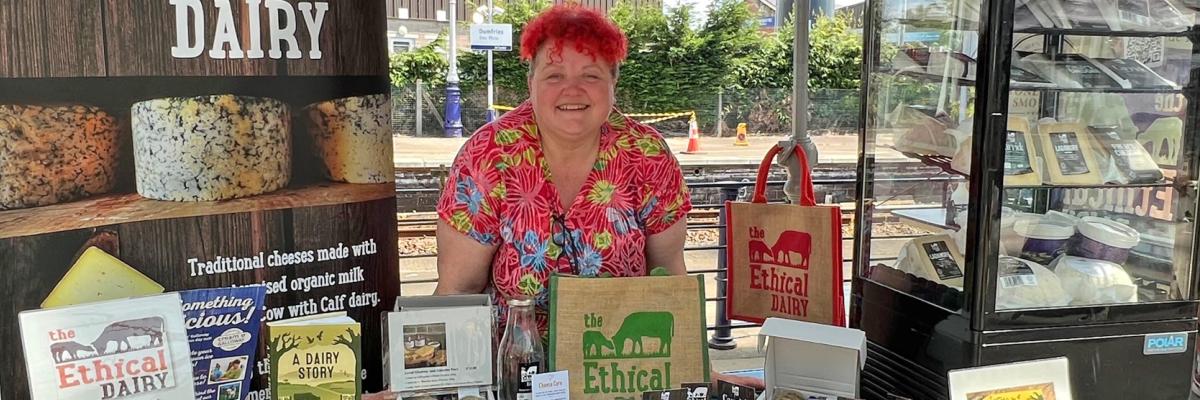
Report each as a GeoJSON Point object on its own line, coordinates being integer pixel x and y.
{"type": "Point", "coordinates": [520, 354]}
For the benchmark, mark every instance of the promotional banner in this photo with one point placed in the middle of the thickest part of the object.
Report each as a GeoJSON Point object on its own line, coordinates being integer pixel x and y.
{"type": "Point", "coordinates": [167, 145]}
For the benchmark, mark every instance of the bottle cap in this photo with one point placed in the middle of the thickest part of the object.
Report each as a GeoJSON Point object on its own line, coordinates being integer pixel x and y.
{"type": "Point", "coordinates": [520, 302]}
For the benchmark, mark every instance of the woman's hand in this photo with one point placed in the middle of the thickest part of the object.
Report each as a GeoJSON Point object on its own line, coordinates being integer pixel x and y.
{"type": "Point", "coordinates": [462, 263]}
{"type": "Point", "coordinates": [384, 395]}
{"type": "Point", "coordinates": [750, 381]}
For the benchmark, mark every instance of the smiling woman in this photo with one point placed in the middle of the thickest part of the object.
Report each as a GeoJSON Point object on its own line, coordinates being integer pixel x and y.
{"type": "Point", "coordinates": [565, 183]}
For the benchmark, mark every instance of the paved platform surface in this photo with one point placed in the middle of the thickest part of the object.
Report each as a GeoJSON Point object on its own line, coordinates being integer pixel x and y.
{"type": "Point", "coordinates": [425, 152]}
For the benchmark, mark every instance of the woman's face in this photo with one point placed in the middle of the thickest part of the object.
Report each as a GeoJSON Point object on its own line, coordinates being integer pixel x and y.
{"type": "Point", "coordinates": [572, 94]}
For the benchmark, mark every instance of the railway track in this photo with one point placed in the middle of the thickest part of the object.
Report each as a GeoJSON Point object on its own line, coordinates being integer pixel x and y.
{"type": "Point", "coordinates": [415, 225]}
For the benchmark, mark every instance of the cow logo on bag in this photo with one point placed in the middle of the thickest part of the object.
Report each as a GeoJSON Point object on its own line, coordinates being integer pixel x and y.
{"type": "Point", "coordinates": [782, 269]}
{"type": "Point", "coordinates": [123, 358]}
{"type": "Point", "coordinates": [641, 336]}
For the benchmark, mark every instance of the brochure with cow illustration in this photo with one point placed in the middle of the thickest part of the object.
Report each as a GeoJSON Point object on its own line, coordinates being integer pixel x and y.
{"type": "Point", "coordinates": [438, 348]}
{"type": "Point", "coordinates": [223, 331]}
{"type": "Point", "coordinates": [315, 357]}
{"type": "Point", "coordinates": [118, 349]}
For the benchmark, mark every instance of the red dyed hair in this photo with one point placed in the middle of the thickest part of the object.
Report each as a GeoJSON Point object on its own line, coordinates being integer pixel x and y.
{"type": "Point", "coordinates": [588, 30]}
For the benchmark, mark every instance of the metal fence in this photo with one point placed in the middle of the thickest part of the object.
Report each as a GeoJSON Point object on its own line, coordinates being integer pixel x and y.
{"type": "Point", "coordinates": [721, 329]}
{"type": "Point", "coordinates": [418, 111]}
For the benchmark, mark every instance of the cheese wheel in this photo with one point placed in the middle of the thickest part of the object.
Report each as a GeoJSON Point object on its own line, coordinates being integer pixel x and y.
{"type": "Point", "coordinates": [210, 147]}
{"type": "Point", "coordinates": [1090, 281]}
{"type": "Point", "coordinates": [353, 138]}
{"type": "Point", "coordinates": [53, 154]}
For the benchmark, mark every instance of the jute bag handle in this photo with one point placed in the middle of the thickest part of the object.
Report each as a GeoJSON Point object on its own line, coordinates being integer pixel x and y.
{"type": "Point", "coordinates": [807, 198]}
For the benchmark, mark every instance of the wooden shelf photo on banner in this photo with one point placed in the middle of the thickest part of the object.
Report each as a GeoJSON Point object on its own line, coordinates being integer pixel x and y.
{"type": "Point", "coordinates": [166, 146]}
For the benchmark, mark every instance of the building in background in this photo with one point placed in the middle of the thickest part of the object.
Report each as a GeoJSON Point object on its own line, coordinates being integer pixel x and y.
{"type": "Point", "coordinates": [764, 12]}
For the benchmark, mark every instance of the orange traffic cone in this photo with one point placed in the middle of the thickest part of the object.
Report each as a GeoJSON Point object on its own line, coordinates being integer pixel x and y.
{"type": "Point", "coordinates": [741, 136]}
{"type": "Point", "coordinates": [693, 136]}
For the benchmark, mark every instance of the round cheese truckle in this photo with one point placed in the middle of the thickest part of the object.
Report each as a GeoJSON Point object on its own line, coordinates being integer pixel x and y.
{"type": "Point", "coordinates": [353, 138]}
{"type": "Point", "coordinates": [210, 147]}
{"type": "Point", "coordinates": [54, 154]}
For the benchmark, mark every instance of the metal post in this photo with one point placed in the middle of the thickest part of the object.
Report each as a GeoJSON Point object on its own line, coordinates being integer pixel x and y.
{"type": "Point", "coordinates": [721, 338]}
{"type": "Point", "coordinates": [491, 110]}
{"type": "Point", "coordinates": [720, 111]}
{"type": "Point", "coordinates": [800, 82]}
{"type": "Point", "coordinates": [799, 100]}
{"type": "Point", "coordinates": [453, 126]}
{"type": "Point", "coordinates": [420, 105]}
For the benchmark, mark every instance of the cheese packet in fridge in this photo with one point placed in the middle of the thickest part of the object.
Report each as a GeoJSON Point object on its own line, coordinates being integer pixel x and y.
{"type": "Point", "coordinates": [1070, 154]}
{"type": "Point", "coordinates": [1025, 284]}
{"type": "Point", "coordinates": [1123, 161]}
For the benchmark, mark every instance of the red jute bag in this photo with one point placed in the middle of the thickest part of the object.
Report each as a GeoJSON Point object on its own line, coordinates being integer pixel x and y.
{"type": "Point", "coordinates": [784, 260]}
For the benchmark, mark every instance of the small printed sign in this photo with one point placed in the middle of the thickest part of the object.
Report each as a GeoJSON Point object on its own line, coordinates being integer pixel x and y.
{"type": "Point", "coordinates": [1165, 343]}
{"type": "Point", "coordinates": [696, 391]}
{"type": "Point", "coordinates": [497, 37]}
{"type": "Point", "coordinates": [732, 391]}
{"type": "Point", "coordinates": [551, 386]}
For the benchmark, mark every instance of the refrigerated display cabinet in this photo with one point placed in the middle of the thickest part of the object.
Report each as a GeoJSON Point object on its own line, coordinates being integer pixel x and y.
{"type": "Point", "coordinates": [1027, 190]}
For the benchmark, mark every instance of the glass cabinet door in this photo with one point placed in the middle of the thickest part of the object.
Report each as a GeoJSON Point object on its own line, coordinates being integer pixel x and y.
{"type": "Point", "coordinates": [1097, 188]}
{"type": "Point", "coordinates": [1097, 155]}
{"type": "Point", "coordinates": [920, 98]}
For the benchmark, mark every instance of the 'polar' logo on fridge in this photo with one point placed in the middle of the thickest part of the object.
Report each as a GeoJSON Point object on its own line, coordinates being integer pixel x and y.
{"type": "Point", "coordinates": [1165, 343]}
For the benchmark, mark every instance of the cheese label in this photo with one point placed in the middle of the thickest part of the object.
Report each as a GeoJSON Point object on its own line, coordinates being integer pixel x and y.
{"type": "Point", "coordinates": [1070, 155]}
{"type": "Point", "coordinates": [943, 262]}
{"type": "Point", "coordinates": [1014, 273]}
{"type": "Point", "coordinates": [1016, 154]}
{"type": "Point", "coordinates": [1087, 74]}
{"type": "Point", "coordinates": [1134, 161]}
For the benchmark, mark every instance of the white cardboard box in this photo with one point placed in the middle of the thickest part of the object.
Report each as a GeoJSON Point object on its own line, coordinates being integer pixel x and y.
{"type": "Point", "coordinates": [807, 356]}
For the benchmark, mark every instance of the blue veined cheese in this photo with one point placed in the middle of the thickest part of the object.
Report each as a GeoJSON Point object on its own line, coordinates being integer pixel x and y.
{"type": "Point", "coordinates": [53, 154]}
{"type": "Point", "coordinates": [353, 138]}
{"type": "Point", "coordinates": [211, 147]}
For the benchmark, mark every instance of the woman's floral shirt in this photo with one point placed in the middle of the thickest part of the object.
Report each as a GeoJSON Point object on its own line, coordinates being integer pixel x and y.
{"type": "Point", "coordinates": [499, 192]}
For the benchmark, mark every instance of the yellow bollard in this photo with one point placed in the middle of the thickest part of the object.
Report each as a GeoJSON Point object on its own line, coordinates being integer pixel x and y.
{"type": "Point", "coordinates": [741, 135]}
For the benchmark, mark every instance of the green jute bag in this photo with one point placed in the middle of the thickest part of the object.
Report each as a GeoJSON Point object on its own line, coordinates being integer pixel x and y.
{"type": "Point", "coordinates": [620, 337]}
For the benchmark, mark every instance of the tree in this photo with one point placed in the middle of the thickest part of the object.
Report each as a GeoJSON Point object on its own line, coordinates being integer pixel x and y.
{"type": "Point", "coordinates": [836, 55]}
{"type": "Point", "coordinates": [671, 65]}
{"type": "Point", "coordinates": [427, 63]}
{"type": "Point", "coordinates": [275, 349]}
{"type": "Point", "coordinates": [353, 341]}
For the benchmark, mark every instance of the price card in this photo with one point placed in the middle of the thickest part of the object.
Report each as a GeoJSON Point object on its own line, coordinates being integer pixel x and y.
{"type": "Point", "coordinates": [551, 386]}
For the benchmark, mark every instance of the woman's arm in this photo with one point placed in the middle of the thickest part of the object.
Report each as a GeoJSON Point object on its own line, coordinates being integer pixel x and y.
{"type": "Point", "coordinates": [665, 249]}
{"type": "Point", "coordinates": [463, 263]}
